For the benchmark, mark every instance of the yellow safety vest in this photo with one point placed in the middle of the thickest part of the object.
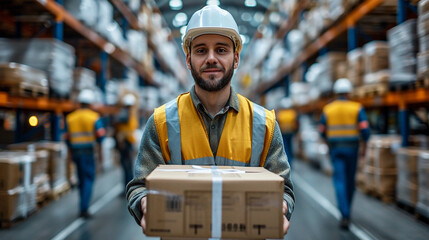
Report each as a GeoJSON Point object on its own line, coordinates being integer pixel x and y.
{"type": "Point", "coordinates": [287, 120]}
{"type": "Point", "coordinates": [126, 130]}
{"type": "Point", "coordinates": [342, 119]}
{"type": "Point", "coordinates": [245, 139]}
{"type": "Point", "coordinates": [81, 126]}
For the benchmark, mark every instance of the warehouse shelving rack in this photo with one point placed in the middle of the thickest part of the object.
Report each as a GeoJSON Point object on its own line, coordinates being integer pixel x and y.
{"type": "Point", "coordinates": [61, 106]}
{"type": "Point", "coordinates": [402, 100]}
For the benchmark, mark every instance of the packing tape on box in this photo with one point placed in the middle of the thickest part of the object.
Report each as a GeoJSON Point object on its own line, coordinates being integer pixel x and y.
{"type": "Point", "coordinates": [216, 192]}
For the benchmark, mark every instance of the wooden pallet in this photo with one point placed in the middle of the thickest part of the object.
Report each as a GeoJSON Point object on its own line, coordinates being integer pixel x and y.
{"type": "Point", "coordinates": [412, 85]}
{"type": "Point", "coordinates": [11, 223]}
{"type": "Point", "coordinates": [25, 89]}
{"type": "Point", "coordinates": [59, 191]}
{"type": "Point", "coordinates": [371, 90]}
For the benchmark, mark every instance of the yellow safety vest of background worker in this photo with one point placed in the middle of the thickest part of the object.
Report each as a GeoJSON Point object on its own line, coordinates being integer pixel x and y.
{"type": "Point", "coordinates": [287, 118]}
{"type": "Point", "coordinates": [212, 124]}
{"type": "Point", "coordinates": [126, 122]}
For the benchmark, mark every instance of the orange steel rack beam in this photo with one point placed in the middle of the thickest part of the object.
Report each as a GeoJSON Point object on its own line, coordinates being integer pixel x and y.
{"type": "Point", "coordinates": [352, 17]}
{"type": "Point", "coordinates": [47, 104]}
{"type": "Point", "coordinates": [391, 99]}
{"type": "Point", "coordinates": [112, 50]}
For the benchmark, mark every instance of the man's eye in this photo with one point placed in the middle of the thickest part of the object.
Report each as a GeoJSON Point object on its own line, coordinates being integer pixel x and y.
{"type": "Point", "coordinates": [222, 50]}
{"type": "Point", "coordinates": [200, 50]}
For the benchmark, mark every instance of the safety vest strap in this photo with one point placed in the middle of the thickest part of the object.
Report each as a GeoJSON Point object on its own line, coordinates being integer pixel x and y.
{"type": "Point", "coordinates": [258, 134]}
{"type": "Point", "coordinates": [173, 129]}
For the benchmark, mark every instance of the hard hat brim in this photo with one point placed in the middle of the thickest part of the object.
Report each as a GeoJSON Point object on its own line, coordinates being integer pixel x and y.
{"type": "Point", "coordinates": [227, 32]}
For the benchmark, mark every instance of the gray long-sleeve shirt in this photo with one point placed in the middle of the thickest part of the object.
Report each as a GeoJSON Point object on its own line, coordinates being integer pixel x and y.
{"type": "Point", "coordinates": [150, 155]}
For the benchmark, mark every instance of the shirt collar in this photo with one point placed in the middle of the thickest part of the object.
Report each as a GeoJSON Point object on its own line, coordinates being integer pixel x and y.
{"type": "Point", "coordinates": [232, 101]}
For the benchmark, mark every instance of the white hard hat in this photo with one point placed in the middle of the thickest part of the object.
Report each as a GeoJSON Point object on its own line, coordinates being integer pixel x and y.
{"type": "Point", "coordinates": [286, 103]}
{"type": "Point", "coordinates": [86, 96]}
{"type": "Point", "coordinates": [212, 19]}
{"type": "Point", "coordinates": [129, 99]}
{"type": "Point", "coordinates": [343, 85]}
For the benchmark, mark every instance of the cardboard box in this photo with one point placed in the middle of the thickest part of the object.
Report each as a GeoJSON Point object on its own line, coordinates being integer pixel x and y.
{"type": "Point", "coordinates": [15, 170]}
{"type": "Point", "coordinates": [17, 202]}
{"type": "Point", "coordinates": [248, 202]}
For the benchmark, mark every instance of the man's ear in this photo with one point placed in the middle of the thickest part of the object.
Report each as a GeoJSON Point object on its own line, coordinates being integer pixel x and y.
{"type": "Point", "coordinates": [236, 59]}
{"type": "Point", "coordinates": [188, 61]}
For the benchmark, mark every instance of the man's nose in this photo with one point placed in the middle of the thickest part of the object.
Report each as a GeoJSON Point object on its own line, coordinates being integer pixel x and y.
{"type": "Point", "coordinates": [211, 57]}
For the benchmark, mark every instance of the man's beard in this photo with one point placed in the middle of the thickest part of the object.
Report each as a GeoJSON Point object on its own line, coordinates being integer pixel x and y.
{"type": "Point", "coordinates": [211, 85]}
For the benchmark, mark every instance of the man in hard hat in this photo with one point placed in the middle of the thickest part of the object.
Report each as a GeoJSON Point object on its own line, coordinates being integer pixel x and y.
{"type": "Point", "coordinates": [343, 123]}
{"type": "Point", "coordinates": [126, 123]}
{"type": "Point", "coordinates": [287, 118]}
{"type": "Point", "coordinates": [212, 118]}
{"type": "Point", "coordinates": [84, 132]}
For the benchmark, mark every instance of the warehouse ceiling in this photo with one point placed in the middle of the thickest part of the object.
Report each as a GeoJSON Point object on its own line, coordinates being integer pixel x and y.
{"type": "Point", "coordinates": [247, 13]}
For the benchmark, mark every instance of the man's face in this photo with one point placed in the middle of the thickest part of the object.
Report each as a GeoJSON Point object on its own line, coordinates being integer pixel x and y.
{"type": "Point", "coordinates": [212, 61]}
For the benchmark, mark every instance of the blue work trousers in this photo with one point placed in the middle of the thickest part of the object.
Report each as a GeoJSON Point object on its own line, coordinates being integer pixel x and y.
{"type": "Point", "coordinates": [85, 165]}
{"type": "Point", "coordinates": [127, 160]}
{"type": "Point", "coordinates": [344, 161]}
{"type": "Point", "coordinates": [287, 142]}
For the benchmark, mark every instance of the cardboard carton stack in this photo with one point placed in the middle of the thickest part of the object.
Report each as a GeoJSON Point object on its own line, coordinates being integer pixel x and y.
{"type": "Point", "coordinates": [422, 206]}
{"type": "Point", "coordinates": [221, 202]}
{"type": "Point", "coordinates": [376, 60]}
{"type": "Point", "coordinates": [57, 163]}
{"type": "Point", "coordinates": [403, 49]}
{"type": "Point", "coordinates": [356, 66]}
{"type": "Point", "coordinates": [17, 190]}
{"type": "Point", "coordinates": [333, 66]}
{"type": "Point", "coordinates": [380, 166]}
{"type": "Point", "coordinates": [407, 185]}
{"type": "Point", "coordinates": [423, 34]}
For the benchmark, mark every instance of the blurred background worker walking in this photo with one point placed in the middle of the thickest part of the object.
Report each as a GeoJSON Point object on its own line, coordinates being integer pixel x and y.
{"type": "Point", "coordinates": [287, 118]}
{"type": "Point", "coordinates": [341, 122]}
{"type": "Point", "coordinates": [126, 122]}
{"type": "Point", "coordinates": [84, 133]}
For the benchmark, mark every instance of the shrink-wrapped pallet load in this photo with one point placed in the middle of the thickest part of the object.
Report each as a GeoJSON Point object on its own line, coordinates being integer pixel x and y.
{"type": "Point", "coordinates": [422, 206]}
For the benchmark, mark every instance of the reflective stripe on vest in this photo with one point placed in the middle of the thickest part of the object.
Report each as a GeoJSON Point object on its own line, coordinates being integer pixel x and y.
{"type": "Point", "coordinates": [342, 119]}
{"type": "Point", "coordinates": [243, 142]}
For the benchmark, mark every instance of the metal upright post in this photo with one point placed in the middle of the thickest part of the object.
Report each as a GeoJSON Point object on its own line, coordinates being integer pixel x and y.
{"type": "Point", "coordinates": [59, 25]}
{"type": "Point", "coordinates": [401, 11]}
{"type": "Point", "coordinates": [404, 125]}
{"type": "Point", "coordinates": [352, 38]}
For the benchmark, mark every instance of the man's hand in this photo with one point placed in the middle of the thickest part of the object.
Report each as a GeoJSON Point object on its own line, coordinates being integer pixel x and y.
{"type": "Point", "coordinates": [143, 220]}
{"type": "Point", "coordinates": [285, 221]}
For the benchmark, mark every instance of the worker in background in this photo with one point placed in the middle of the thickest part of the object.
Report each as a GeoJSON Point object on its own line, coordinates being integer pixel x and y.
{"type": "Point", "coordinates": [84, 132]}
{"type": "Point", "coordinates": [211, 119]}
{"type": "Point", "coordinates": [287, 118]}
{"type": "Point", "coordinates": [126, 123]}
{"type": "Point", "coordinates": [342, 124]}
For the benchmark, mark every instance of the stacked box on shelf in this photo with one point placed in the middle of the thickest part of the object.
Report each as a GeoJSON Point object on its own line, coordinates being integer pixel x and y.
{"type": "Point", "coordinates": [333, 66]}
{"type": "Point", "coordinates": [23, 80]}
{"type": "Point", "coordinates": [376, 60]}
{"type": "Point", "coordinates": [422, 206]}
{"type": "Point", "coordinates": [403, 49]}
{"type": "Point", "coordinates": [54, 57]}
{"type": "Point", "coordinates": [356, 69]}
{"type": "Point", "coordinates": [57, 163]}
{"type": "Point", "coordinates": [85, 11]}
{"type": "Point", "coordinates": [17, 190]}
{"type": "Point", "coordinates": [380, 165]}
{"type": "Point", "coordinates": [407, 184]}
{"type": "Point", "coordinates": [423, 34]}
{"type": "Point", "coordinates": [83, 78]}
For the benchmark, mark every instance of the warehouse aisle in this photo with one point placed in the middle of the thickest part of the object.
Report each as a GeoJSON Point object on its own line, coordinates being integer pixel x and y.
{"type": "Point", "coordinates": [315, 216]}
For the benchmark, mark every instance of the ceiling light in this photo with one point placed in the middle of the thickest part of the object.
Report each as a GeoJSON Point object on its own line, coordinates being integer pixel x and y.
{"type": "Point", "coordinates": [176, 4]}
{"type": "Point", "coordinates": [250, 3]}
{"type": "Point", "coordinates": [213, 2]}
{"type": "Point", "coordinates": [33, 121]}
{"type": "Point", "coordinates": [180, 19]}
{"type": "Point", "coordinates": [244, 39]}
